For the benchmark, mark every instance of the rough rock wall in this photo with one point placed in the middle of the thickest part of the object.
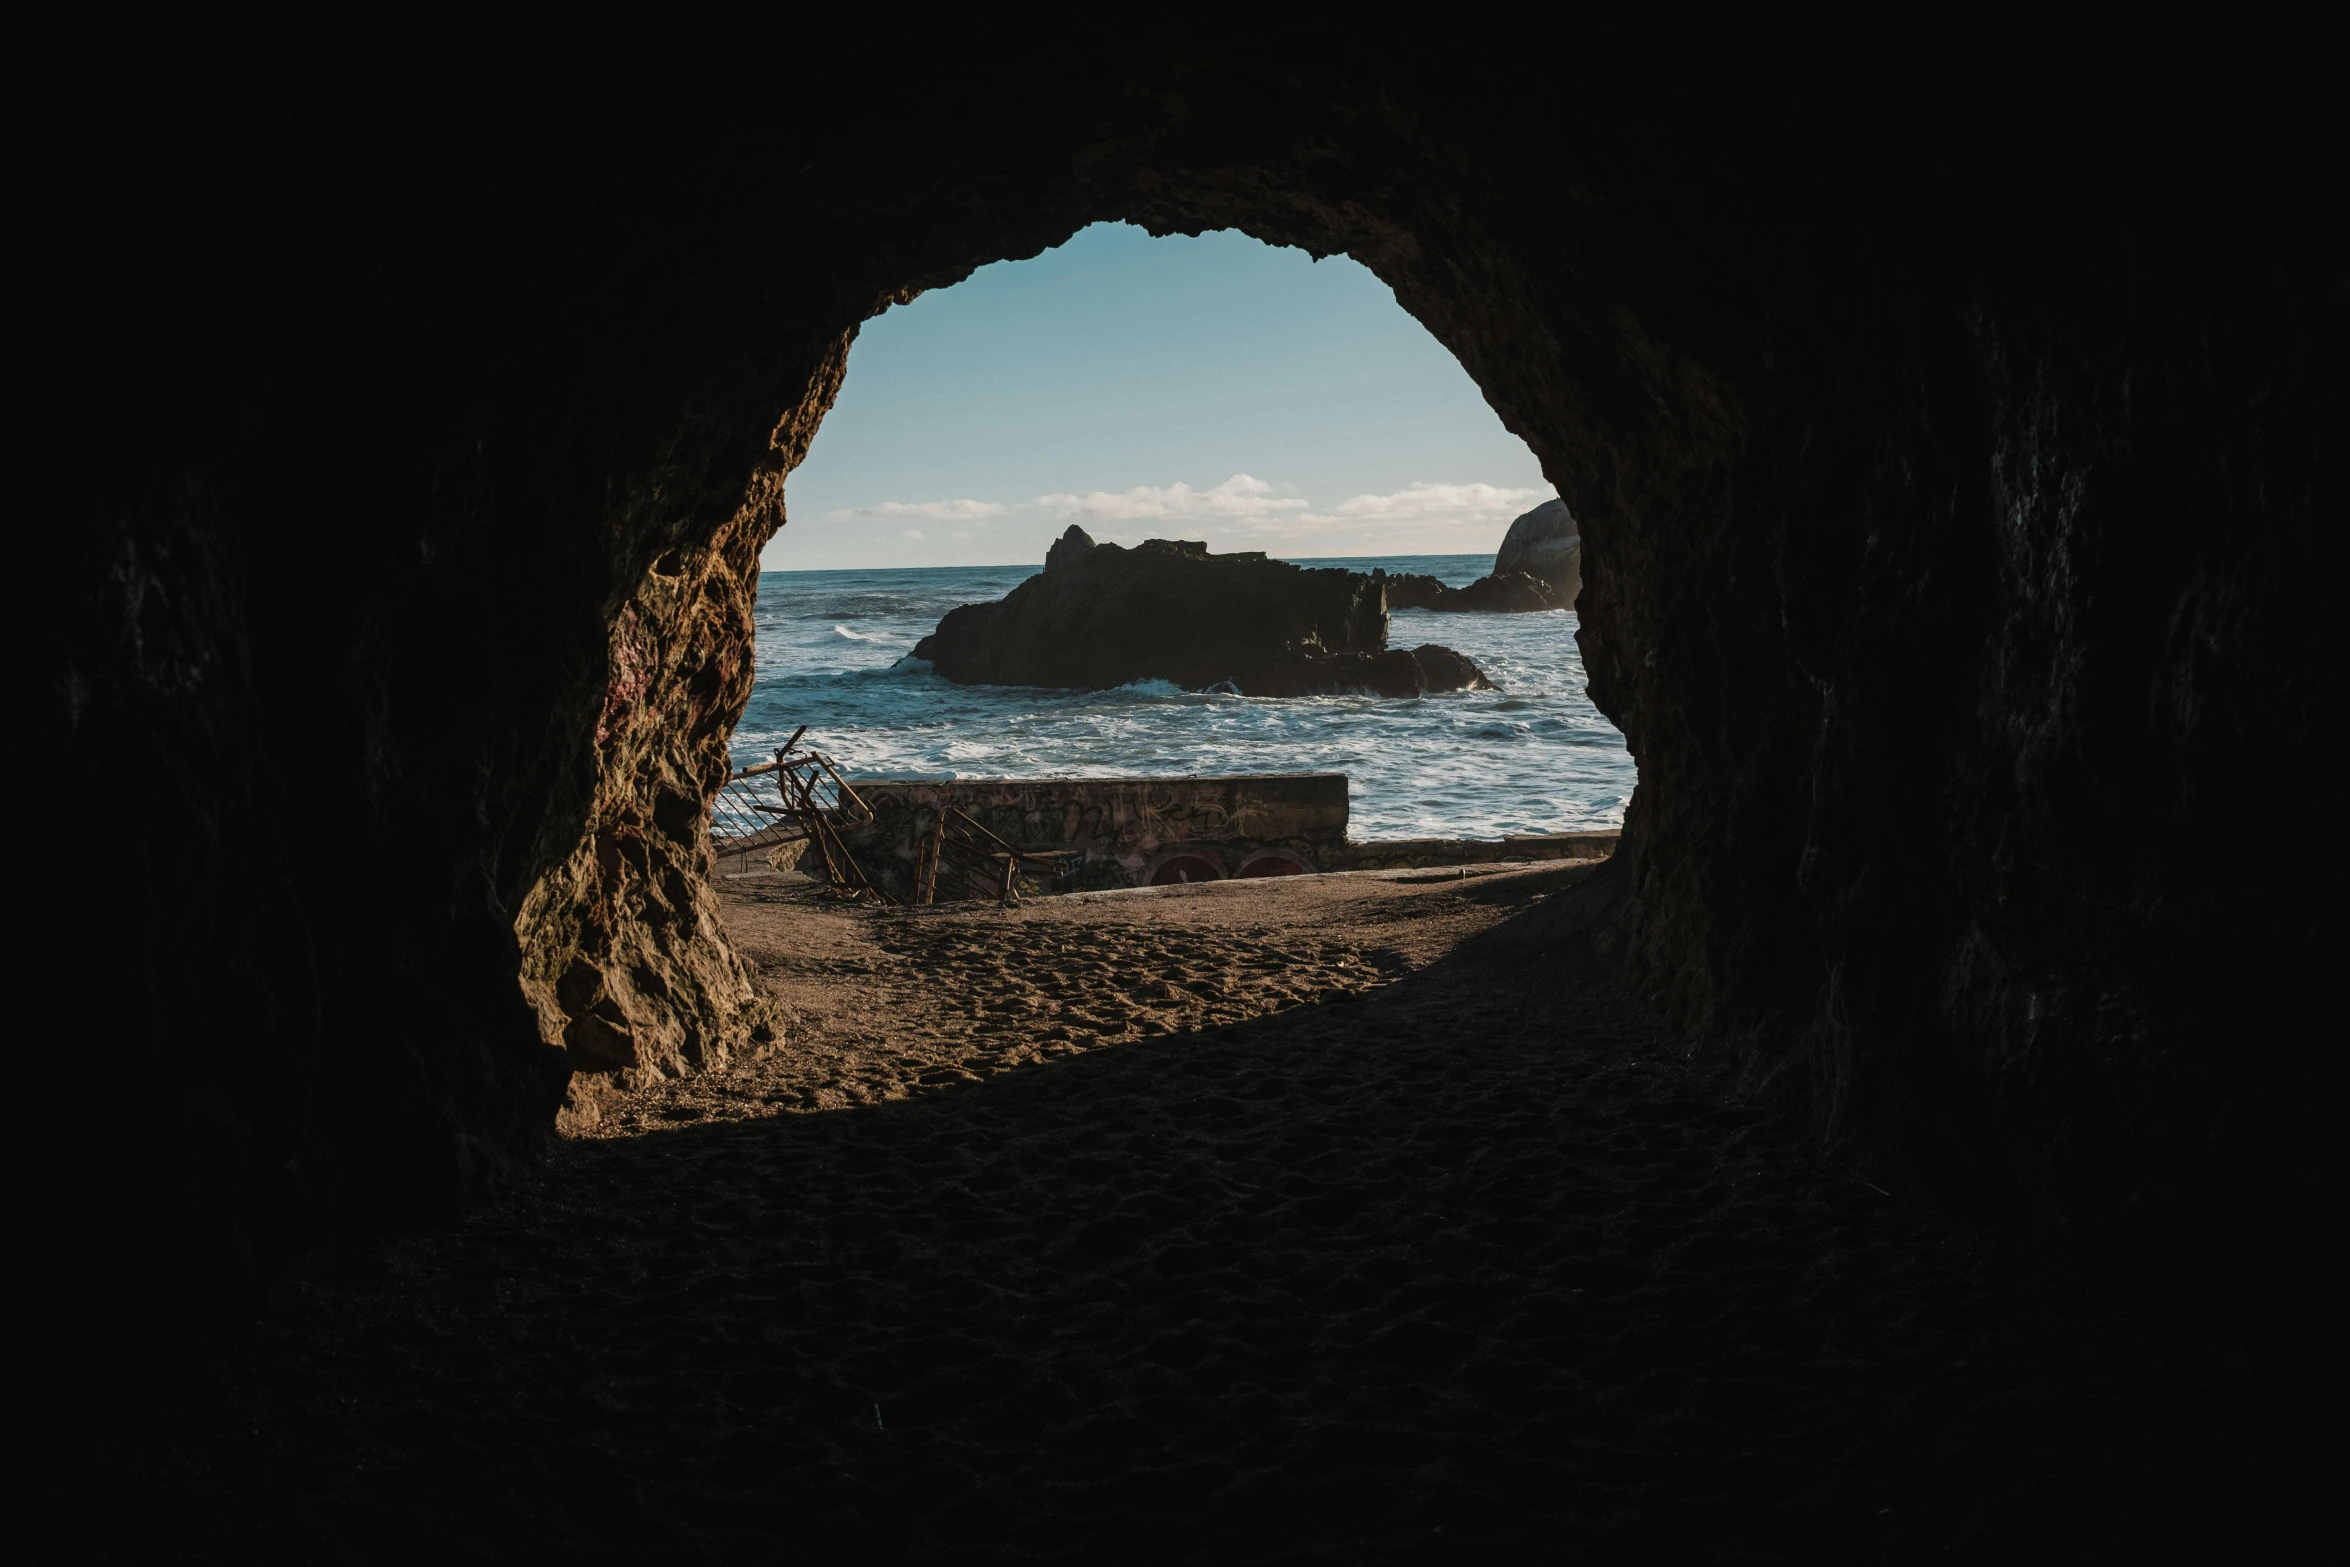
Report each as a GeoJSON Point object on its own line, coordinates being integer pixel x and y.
{"type": "Point", "coordinates": [624, 960]}
{"type": "Point", "coordinates": [1958, 496]}
{"type": "Point", "coordinates": [1999, 600]}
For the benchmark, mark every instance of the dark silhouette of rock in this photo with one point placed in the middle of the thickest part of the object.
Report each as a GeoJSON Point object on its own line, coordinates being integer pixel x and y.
{"type": "Point", "coordinates": [1539, 566]}
{"type": "Point", "coordinates": [1069, 548]}
{"type": "Point", "coordinates": [1502, 593]}
{"type": "Point", "coordinates": [1168, 610]}
{"type": "Point", "coordinates": [1398, 672]}
{"type": "Point", "coordinates": [1544, 544]}
{"type": "Point", "coordinates": [1414, 590]}
{"type": "Point", "coordinates": [1442, 669]}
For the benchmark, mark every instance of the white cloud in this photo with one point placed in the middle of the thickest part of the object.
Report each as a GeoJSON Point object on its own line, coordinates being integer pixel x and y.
{"type": "Point", "coordinates": [1238, 496]}
{"type": "Point", "coordinates": [1431, 513]}
{"type": "Point", "coordinates": [1418, 500]}
{"type": "Point", "coordinates": [1243, 512]}
{"type": "Point", "coordinates": [963, 510]}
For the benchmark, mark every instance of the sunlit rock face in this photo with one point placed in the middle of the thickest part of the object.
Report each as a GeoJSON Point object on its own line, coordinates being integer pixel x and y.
{"type": "Point", "coordinates": [623, 961]}
{"type": "Point", "coordinates": [1957, 503]}
{"type": "Point", "coordinates": [1544, 545]}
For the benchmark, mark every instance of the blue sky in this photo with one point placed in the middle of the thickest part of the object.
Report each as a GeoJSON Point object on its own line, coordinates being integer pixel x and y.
{"type": "Point", "coordinates": [1214, 388]}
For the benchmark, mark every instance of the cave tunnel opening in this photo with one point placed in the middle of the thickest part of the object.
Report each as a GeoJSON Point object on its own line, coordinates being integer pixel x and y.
{"type": "Point", "coordinates": [1956, 539]}
{"type": "Point", "coordinates": [998, 410]}
{"type": "Point", "coordinates": [979, 421]}
{"type": "Point", "coordinates": [1784, 676]}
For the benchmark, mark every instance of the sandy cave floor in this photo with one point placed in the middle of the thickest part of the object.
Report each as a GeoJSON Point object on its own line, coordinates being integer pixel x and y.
{"type": "Point", "coordinates": [1340, 1219]}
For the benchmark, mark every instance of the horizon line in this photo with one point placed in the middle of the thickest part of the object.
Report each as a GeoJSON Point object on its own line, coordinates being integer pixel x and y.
{"type": "Point", "coordinates": [990, 565]}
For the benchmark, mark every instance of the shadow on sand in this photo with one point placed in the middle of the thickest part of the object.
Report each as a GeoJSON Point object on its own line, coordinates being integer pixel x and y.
{"type": "Point", "coordinates": [1482, 1266]}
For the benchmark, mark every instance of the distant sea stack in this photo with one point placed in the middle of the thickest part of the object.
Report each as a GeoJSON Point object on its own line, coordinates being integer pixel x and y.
{"type": "Point", "coordinates": [1545, 545]}
{"type": "Point", "coordinates": [1540, 566]}
{"type": "Point", "coordinates": [1100, 616]}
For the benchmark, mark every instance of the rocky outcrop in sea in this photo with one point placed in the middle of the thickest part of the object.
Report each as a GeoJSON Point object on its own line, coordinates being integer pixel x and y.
{"type": "Point", "coordinates": [1546, 545]}
{"type": "Point", "coordinates": [1539, 566]}
{"type": "Point", "coordinates": [1502, 593]}
{"type": "Point", "coordinates": [1100, 616]}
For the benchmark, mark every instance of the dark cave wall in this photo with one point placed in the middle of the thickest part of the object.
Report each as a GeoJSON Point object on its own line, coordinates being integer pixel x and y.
{"type": "Point", "coordinates": [1959, 497]}
{"type": "Point", "coordinates": [2145, 1006]}
{"type": "Point", "coordinates": [2012, 605]}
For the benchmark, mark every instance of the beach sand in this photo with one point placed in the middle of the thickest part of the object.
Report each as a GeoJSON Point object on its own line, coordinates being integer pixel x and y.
{"type": "Point", "coordinates": [883, 1004]}
{"type": "Point", "coordinates": [1342, 1218]}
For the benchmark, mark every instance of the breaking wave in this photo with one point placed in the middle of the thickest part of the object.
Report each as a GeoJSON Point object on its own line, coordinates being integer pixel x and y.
{"type": "Point", "coordinates": [1533, 757]}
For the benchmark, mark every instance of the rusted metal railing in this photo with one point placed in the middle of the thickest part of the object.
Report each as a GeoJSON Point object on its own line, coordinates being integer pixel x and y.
{"type": "Point", "coordinates": [959, 847]}
{"type": "Point", "coordinates": [799, 797]}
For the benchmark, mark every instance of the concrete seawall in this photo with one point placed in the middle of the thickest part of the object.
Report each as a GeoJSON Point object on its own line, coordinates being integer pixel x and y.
{"type": "Point", "coordinates": [1134, 832]}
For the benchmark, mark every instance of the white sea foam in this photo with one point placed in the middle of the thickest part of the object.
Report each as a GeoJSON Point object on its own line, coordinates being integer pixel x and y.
{"type": "Point", "coordinates": [1533, 757]}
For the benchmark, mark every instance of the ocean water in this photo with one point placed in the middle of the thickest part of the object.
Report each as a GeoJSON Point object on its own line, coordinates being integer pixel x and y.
{"type": "Point", "coordinates": [1535, 756]}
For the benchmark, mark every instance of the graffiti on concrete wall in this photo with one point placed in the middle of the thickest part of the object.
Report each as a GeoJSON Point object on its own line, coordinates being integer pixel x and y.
{"type": "Point", "coordinates": [1123, 831]}
{"type": "Point", "coordinates": [1102, 833]}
